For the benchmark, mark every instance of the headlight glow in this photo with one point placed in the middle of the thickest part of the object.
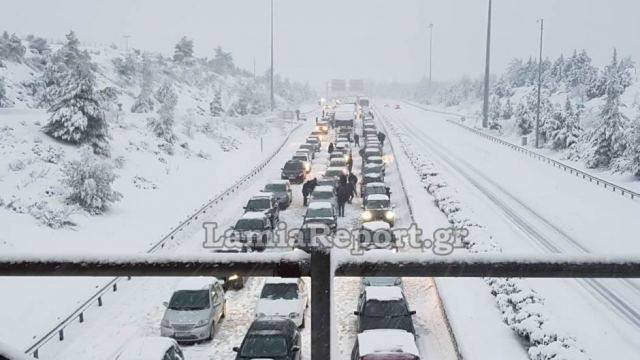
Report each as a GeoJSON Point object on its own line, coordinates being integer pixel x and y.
{"type": "Point", "coordinates": [233, 277]}
{"type": "Point", "coordinates": [389, 215]}
{"type": "Point", "coordinates": [367, 215]}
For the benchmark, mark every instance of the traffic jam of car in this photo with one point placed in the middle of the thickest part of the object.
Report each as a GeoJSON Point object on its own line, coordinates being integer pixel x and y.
{"type": "Point", "coordinates": [384, 321]}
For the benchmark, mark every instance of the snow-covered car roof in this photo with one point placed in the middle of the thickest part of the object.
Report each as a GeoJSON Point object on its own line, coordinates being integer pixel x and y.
{"type": "Point", "coordinates": [323, 188]}
{"type": "Point", "coordinates": [376, 225]}
{"type": "Point", "coordinates": [279, 280]}
{"type": "Point", "coordinates": [372, 158]}
{"type": "Point", "coordinates": [372, 165]}
{"type": "Point", "coordinates": [372, 150]}
{"type": "Point", "coordinates": [378, 197]}
{"type": "Point", "coordinates": [253, 215]}
{"type": "Point", "coordinates": [376, 184]}
{"type": "Point", "coordinates": [387, 341]}
{"type": "Point", "coordinates": [262, 195]}
{"type": "Point", "coordinates": [196, 283]}
{"type": "Point", "coordinates": [383, 293]}
{"type": "Point", "coordinates": [320, 205]}
{"type": "Point", "coordinates": [279, 182]}
{"type": "Point", "coordinates": [146, 348]}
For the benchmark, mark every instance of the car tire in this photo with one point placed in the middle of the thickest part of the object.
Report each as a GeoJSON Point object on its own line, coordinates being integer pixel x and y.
{"type": "Point", "coordinates": [224, 311]}
{"type": "Point", "coordinates": [212, 331]}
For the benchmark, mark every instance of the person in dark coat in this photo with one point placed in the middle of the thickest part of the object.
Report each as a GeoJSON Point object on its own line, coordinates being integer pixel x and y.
{"type": "Point", "coordinates": [306, 191]}
{"type": "Point", "coordinates": [330, 148]}
{"type": "Point", "coordinates": [356, 139]}
{"type": "Point", "coordinates": [353, 182]}
{"type": "Point", "coordinates": [381, 138]}
{"type": "Point", "coordinates": [350, 163]}
{"type": "Point", "coordinates": [343, 197]}
{"type": "Point", "coordinates": [388, 190]}
{"type": "Point", "coordinates": [313, 183]}
{"type": "Point", "coordinates": [343, 179]}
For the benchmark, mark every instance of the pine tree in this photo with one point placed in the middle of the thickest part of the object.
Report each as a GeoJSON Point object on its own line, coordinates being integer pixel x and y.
{"type": "Point", "coordinates": [557, 70]}
{"type": "Point", "coordinates": [144, 101]}
{"type": "Point", "coordinates": [76, 113]}
{"type": "Point", "coordinates": [495, 112]}
{"type": "Point", "coordinates": [507, 110]}
{"type": "Point", "coordinates": [241, 106]}
{"type": "Point", "coordinates": [163, 126]}
{"type": "Point", "coordinates": [11, 48]}
{"type": "Point", "coordinates": [183, 50]}
{"type": "Point", "coordinates": [216, 104]}
{"type": "Point", "coordinates": [607, 139]}
{"type": "Point", "coordinates": [222, 62]}
{"type": "Point", "coordinates": [4, 101]}
{"type": "Point", "coordinates": [630, 161]}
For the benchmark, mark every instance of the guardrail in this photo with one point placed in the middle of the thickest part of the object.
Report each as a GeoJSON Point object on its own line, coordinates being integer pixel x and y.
{"type": "Point", "coordinates": [112, 285]}
{"type": "Point", "coordinates": [443, 310]}
{"type": "Point", "coordinates": [593, 179]}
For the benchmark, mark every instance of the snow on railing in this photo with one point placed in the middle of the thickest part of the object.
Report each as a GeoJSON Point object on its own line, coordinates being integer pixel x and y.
{"type": "Point", "coordinates": [112, 285]}
{"type": "Point", "coordinates": [593, 179]}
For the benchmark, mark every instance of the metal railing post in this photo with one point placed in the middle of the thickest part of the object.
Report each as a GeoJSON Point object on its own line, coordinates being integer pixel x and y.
{"type": "Point", "coordinates": [320, 305]}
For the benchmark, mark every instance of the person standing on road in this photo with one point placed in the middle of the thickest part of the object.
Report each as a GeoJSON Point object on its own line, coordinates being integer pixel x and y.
{"type": "Point", "coordinates": [353, 182]}
{"type": "Point", "coordinates": [356, 139]}
{"type": "Point", "coordinates": [381, 137]}
{"type": "Point", "coordinates": [388, 191]}
{"type": "Point", "coordinates": [306, 191]}
{"type": "Point", "coordinates": [343, 197]}
{"type": "Point", "coordinates": [330, 147]}
{"type": "Point", "coordinates": [350, 162]}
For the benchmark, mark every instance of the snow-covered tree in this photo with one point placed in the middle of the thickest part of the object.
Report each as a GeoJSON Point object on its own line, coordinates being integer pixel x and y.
{"type": "Point", "coordinates": [564, 126]}
{"type": "Point", "coordinates": [4, 100]}
{"type": "Point", "coordinates": [579, 73]}
{"type": "Point", "coordinates": [144, 101]}
{"type": "Point", "coordinates": [163, 125]}
{"type": "Point", "coordinates": [630, 161]}
{"type": "Point", "coordinates": [76, 113]}
{"type": "Point", "coordinates": [222, 62]}
{"type": "Point", "coordinates": [495, 112]}
{"type": "Point", "coordinates": [607, 139]}
{"type": "Point", "coordinates": [89, 181]}
{"type": "Point", "coordinates": [215, 107]}
{"type": "Point", "coordinates": [126, 67]}
{"type": "Point", "coordinates": [557, 69]}
{"type": "Point", "coordinates": [240, 106]}
{"type": "Point", "coordinates": [39, 45]}
{"type": "Point", "coordinates": [507, 110]}
{"type": "Point", "coordinates": [183, 49]}
{"type": "Point", "coordinates": [11, 48]}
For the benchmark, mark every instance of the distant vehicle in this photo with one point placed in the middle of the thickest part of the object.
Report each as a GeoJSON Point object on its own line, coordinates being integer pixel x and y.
{"type": "Point", "coordinates": [312, 148]}
{"type": "Point", "coordinates": [308, 231]}
{"type": "Point", "coordinates": [378, 207]}
{"type": "Point", "coordinates": [270, 338]}
{"type": "Point", "coordinates": [233, 281]}
{"type": "Point", "coordinates": [323, 127]}
{"type": "Point", "coordinates": [310, 153]}
{"type": "Point", "coordinates": [338, 155]}
{"type": "Point", "coordinates": [385, 344]}
{"type": "Point", "coordinates": [148, 348]}
{"type": "Point", "coordinates": [338, 162]}
{"type": "Point", "coordinates": [321, 212]}
{"type": "Point", "coordinates": [328, 181]}
{"type": "Point", "coordinates": [367, 178]}
{"type": "Point", "coordinates": [373, 167]}
{"type": "Point", "coordinates": [373, 188]}
{"type": "Point", "coordinates": [195, 308]}
{"type": "Point", "coordinates": [369, 152]}
{"type": "Point", "coordinates": [376, 235]}
{"type": "Point", "coordinates": [315, 141]}
{"type": "Point", "coordinates": [335, 172]}
{"type": "Point", "coordinates": [286, 298]}
{"type": "Point", "coordinates": [294, 171]}
{"type": "Point", "coordinates": [266, 203]}
{"type": "Point", "coordinates": [375, 160]}
{"type": "Point", "coordinates": [384, 307]}
{"type": "Point", "coordinates": [325, 193]}
{"type": "Point", "coordinates": [304, 157]}
{"type": "Point", "coordinates": [253, 230]}
{"type": "Point", "coordinates": [281, 189]}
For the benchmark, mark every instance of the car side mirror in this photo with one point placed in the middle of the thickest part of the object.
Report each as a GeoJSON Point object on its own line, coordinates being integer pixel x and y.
{"type": "Point", "coordinates": [356, 313]}
{"type": "Point", "coordinates": [295, 348]}
{"type": "Point", "coordinates": [236, 349]}
{"type": "Point", "coordinates": [412, 312]}
{"type": "Point", "coordinates": [244, 208]}
{"type": "Point", "coordinates": [165, 304]}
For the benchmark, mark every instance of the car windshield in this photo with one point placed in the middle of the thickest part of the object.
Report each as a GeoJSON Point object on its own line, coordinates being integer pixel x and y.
{"type": "Point", "coordinates": [376, 190]}
{"type": "Point", "coordinates": [323, 195]}
{"type": "Point", "coordinates": [377, 204]}
{"type": "Point", "coordinates": [189, 300]}
{"type": "Point", "coordinates": [321, 212]}
{"type": "Point", "coordinates": [338, 162]}
{"type": "Point", "coordinates": [275, 188]}
{"type": "Point", "coordinates": [378, 308]}
{"type": "Point", "coordinates": [249, 224]}
{"type": "Point", "coordinates": [293, 165]}
{"type": "Point", "coordinates": [381, 281]}
{"type": "Point", "coordinates": [279, 291]}
{"type": "Point", "coordinates": [258, 204]}
{"type": "Point", "coordinates": [264, 347]}
{"type": "Point", "coordinates": [336, 173]}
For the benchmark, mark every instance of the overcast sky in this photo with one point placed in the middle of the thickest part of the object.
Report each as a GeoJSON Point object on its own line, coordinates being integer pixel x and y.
{"type": "Point", "coordinates": [319, 40]}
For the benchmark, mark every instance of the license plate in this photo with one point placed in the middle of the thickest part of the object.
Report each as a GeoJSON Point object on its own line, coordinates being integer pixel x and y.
{"type": "Point", "coordinates": [182, 334]}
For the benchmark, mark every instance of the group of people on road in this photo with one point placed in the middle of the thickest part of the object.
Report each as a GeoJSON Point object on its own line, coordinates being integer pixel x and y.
{"type": "Point", "coordinates": [346, 191]}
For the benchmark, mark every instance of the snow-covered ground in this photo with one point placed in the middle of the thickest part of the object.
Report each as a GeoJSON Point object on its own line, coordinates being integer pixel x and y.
{"type": "Point", "coordinates": [531, 207]}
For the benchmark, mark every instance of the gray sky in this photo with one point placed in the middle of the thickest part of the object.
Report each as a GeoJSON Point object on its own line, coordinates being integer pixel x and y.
{"type": "Point", "coordinates": [318, 40]}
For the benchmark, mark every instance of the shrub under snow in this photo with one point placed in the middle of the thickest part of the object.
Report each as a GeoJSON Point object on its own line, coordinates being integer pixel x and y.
{"type": "Point", "coordinates": [89, 180]}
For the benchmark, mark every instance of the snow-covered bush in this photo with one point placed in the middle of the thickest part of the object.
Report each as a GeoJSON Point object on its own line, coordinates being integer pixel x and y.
{"type": "Point", "coordinates": [4, 100]}
{"type": "Point", "coordinates": [89, 182]}
{"type": "Point", "coordinates": [162, 126]}
{"type": "Point", "coordinates": [49, 154]}
{"type": "Point", "coordinates": [11, 47]}
{"type": "Point", "coordinates": [215, 107]}
{"type": "Point", "coordinates": [55, 218]}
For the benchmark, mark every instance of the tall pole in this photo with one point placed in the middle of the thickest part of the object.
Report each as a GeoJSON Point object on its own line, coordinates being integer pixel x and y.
{"type": "Point", "coordinates": [126, 42]}
{"type": "Point", "coordinates": [539, 86]}
{"type": "Point", "coordinates": [273, 101]}
{"type": "Point", "coordinates": [430, 51]}
{"type": "Point", "coordinates": [485, 105]}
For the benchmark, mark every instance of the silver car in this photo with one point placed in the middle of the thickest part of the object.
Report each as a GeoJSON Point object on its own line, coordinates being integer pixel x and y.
{"type": "Point", "coordinates": [195, 308]}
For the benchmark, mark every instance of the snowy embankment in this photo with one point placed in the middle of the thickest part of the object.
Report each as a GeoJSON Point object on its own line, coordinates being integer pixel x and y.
{"type": "Point", "coordinates": [521, 307]}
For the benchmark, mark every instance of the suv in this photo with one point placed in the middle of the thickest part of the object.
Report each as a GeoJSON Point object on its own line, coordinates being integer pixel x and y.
{"type": "Point", "coordinates": [285, 298]}
{"type": "Point", "coordinates": [385, 344]}
{"type": "Point", "coordinates": [253, 229]}
{"type": "Point", "coordinates": [195, 308]}
{"type": "Point", "coordinates": [266, 203]}
{"type": "Point", "coordinates": [321, 212]}
{"type": "Point", "coordinates": [270, 338]}
{"type": "Point", "coordinates": [373, 188]}
{"type": "Point", "coordinates": [281, 190]}
{"type": "Point", "coordinates": [294, 171]}
{"type": "Point", "coordinates": [378, 207]}
{"type": "Point", "coordinates": [384, 307]}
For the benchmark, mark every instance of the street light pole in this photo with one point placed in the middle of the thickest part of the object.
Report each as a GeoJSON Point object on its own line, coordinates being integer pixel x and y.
{"type": "Point", "coordinates": [273, 102]}
{"type": "Point", "coordinates": [126, 42]}
{"type": "Point", "coordinates": [430, 51]}
{"type": "Point", "coordinates": [539, 86]}
{"type": "Point", "coordinates": [485, 105]}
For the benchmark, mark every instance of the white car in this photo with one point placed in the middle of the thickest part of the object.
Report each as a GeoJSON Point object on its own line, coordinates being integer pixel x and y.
{"type": "Point", "coordinates": [285, 298]}
{"type": "Point", "coordinates": [150, 348]}
{"type": "Point", "coordinates": [385, 344]}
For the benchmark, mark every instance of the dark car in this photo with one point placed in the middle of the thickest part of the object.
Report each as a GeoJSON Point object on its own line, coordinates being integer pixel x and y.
{"type": "Point", "coordinates": [294, 171]}
{"type": "Point", "coordinates": [378, 207]}
{"type": "Point", "coordinates": [281, 190]}
{"type": "Point", "coordinates": [254, 230]}
{"type": "Point", "coordinates": [266, 203]}
{"type": "Point", "coordinates": [384, 307]}
{"type": "Point", "coordinates": [321, 212]}
{"type": "Point", "coordinates": [271, 338]}
{"type": "Point", "coordinates": [385, 344]}
{"type": "Point", "coordinates": [233, 281]}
